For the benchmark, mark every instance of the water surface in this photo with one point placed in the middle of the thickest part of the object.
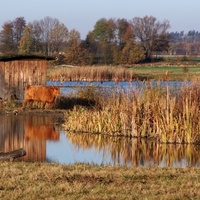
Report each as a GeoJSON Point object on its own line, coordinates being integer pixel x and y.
{"type": "Point", "coordinates": [72, 86]}
{"type": "Point", "coordinates": [44, 140]}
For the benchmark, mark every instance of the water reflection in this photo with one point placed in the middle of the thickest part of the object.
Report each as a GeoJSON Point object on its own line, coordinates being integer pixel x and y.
{"type": "Point", "coordinates": [28, 132]}
{"type": "Point", "coordinates": [45, 142]}
{"type": "Point", "coordinates": [134, 152]}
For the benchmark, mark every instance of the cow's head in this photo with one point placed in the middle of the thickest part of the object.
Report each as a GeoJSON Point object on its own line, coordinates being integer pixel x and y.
{"type": "Point", "coordinates": [56, 91]}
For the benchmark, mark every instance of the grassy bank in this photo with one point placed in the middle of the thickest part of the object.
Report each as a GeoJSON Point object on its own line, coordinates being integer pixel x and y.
{"type": "Point", "coordinates": [176, 72]}
{"type": "Point", "coordinates": [80, 181]}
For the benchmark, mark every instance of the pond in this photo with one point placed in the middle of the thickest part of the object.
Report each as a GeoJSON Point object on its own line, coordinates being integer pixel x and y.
{"type": "Point", "coordinates": [71, 86]}
{"type": "Point", "coordinates": [44, 140]}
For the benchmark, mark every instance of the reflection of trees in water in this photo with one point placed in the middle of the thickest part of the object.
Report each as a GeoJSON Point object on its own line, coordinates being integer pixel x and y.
{"type": "Point", "coordinates": [138, 152]}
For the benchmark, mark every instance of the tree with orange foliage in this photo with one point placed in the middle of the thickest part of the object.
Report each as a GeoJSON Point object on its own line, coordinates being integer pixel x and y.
{"type": "Point", "coordinates": [74, 51]}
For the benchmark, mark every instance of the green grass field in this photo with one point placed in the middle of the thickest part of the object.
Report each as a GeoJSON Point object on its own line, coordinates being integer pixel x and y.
{"type": "Point", "coordinates": [174, 72]}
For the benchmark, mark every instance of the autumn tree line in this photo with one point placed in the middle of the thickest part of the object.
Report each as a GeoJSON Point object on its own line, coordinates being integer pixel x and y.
{"type": "Point", "coordinates": [112, 41]}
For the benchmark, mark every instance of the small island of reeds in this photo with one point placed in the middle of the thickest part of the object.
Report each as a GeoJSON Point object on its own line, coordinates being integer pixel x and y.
{"type": "Point", "coordinates": [150, 110]}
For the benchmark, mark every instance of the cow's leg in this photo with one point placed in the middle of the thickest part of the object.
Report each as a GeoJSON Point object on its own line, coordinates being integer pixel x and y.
{"type": "Point", "coordinates": [43, 104]}
{"type": "Point", "coordinates": [47, 106]}
{"type": "Point", "coordinates": [31, 103]}
{"type": "Point", "coordinates": [52, 105]}
{"type": "Point", "coordinates": [39, 104]}
{"type": "Point", "coordinates": [25, 103]}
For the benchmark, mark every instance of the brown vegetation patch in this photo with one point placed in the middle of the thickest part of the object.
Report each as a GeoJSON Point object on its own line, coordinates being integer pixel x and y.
{"type": "Point", "coordinates": [161, 113]}
{"type": "Point", "coordinates": [82, 181]}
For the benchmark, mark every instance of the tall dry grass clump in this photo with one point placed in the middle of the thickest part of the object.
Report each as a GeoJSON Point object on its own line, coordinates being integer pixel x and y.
{"type": "Point", "coordinates": [148, 110]}
{"type": "Point", "coordinates": [91, 73]}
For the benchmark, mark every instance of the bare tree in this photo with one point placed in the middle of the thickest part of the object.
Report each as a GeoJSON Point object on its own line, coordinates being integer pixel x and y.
{"type": "Point", "coordinates": [51, 31]}
{"type": "Point", "coordinates": [150, 33]}
{"type": "Point", "coordinates": [58, 37]}
{"type": "Point", "coordinates": [46, 26]}
{"type": "Point", "coordinates": [37, 37]}
{"type": "Point", "coordinates": [46, 36]}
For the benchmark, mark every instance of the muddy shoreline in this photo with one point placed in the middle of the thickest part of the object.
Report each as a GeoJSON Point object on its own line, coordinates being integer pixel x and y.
{"type": "Point", "coordinates": [38, 112]}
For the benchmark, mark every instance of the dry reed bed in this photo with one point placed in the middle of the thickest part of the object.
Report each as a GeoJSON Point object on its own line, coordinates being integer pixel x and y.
{"type": "Point", "coordinates": [150, 111]}
{"type": "Point", "coordinates": [101, 73]}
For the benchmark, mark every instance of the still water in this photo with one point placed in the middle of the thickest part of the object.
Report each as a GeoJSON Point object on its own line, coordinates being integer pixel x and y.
{"type": "Point", "coordinates": [44, 140]}
{"type": "Point", "coordinates": [67, 87]}
{"type": "Point", "coordinates": [72, 86]}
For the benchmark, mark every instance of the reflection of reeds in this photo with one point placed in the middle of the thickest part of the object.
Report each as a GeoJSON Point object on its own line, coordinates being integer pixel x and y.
{"type": "Point", "coordinates": [138, 152]}
{"type": "Point", "coordinates": [146, 111]}
{"type": "Point", "coordinates": [103, 73]}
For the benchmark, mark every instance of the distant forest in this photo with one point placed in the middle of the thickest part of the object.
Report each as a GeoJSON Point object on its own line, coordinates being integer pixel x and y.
{"type": "Point", "coordinates": [112, 41]}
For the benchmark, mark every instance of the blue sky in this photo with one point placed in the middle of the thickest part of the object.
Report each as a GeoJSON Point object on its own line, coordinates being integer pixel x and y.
{"type": "Point", "coordinates": [83, 14]}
